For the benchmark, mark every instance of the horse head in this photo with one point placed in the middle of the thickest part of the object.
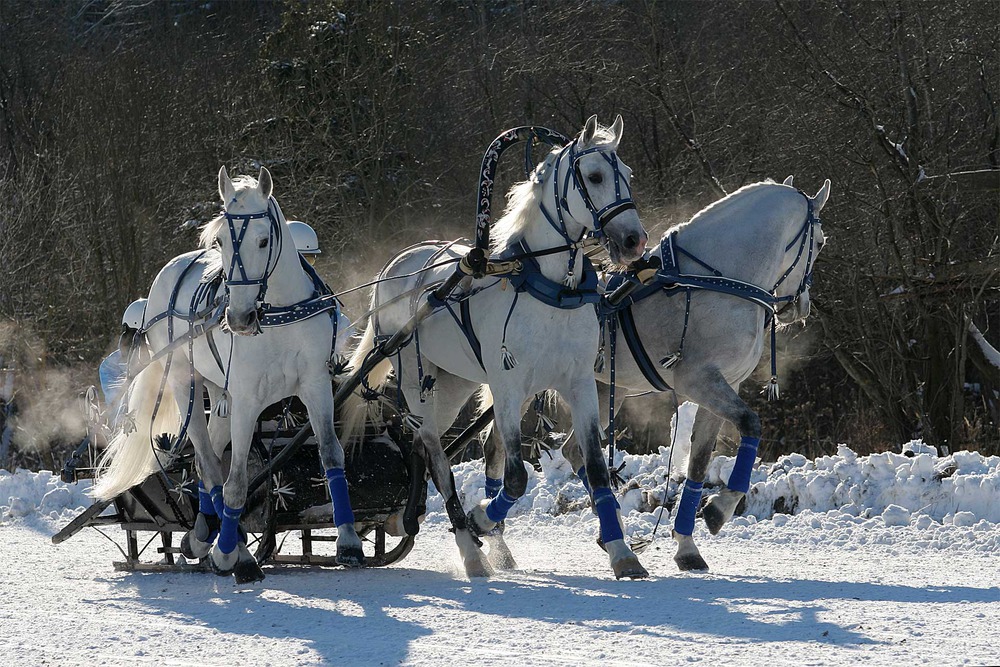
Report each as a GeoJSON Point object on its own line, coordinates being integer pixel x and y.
{"type": "Point", "coordinates": [800, 255]}
{"type": "Point", "coordinates": [249, 240]}
{"type": "Point", "coordinates": [596, 191]}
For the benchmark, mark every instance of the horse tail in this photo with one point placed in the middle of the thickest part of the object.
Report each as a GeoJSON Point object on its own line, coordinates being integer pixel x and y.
{"type": "Point", "coordinates": [484, 401]}
{"type": "Point", "coordinates": [356, 407]}
{"type": "Point", "coordinates": [130, 456]}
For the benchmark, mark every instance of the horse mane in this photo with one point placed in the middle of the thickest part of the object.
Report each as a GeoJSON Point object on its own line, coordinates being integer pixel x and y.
{"type": "Point", "coordinates": [210, 231]}
{"type": "Point", "coordinates": [718, 205]}
{"type": "Point", "coordinates": [522, 197]}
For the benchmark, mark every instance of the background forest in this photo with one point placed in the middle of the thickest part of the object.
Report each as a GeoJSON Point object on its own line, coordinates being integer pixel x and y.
{"type": "Point", "coordinates": [115, 116]}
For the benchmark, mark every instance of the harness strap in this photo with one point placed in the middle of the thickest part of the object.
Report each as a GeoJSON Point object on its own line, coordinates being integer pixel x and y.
{"type": "Point", "coordinates": [646, 365]}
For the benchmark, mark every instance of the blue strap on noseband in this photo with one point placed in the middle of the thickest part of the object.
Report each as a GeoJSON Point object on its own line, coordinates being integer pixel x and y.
{"type": "Point", "coordinates": [342, 512]}
{"type": "Point", "coordinates": [607, 512]}
{"type": "Point", "coordinates": [739, 480]}
{"type": "Point", "coordinates": [687, 507]}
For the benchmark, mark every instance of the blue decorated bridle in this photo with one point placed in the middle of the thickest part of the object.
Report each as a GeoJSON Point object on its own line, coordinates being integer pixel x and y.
{"type": "Point", "coordinates": [236, 263]}
{"type": "Point", "coordinates": [601, 216]}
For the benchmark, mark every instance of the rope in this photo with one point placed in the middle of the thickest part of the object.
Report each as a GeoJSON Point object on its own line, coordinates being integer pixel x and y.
{"type": "Point", "coordinates": [670, 461]}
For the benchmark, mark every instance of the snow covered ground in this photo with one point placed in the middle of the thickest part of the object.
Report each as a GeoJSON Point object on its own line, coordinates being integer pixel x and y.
{"type": "Point", "coordinates": [885, 559]}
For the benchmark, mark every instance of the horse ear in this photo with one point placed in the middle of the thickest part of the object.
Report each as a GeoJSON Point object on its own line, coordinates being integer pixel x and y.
{"type": "Point", "coordinates": [264, 183]}
{"type": "Point", "coordinates": [820, 199]}
{"type": "Point", "coordinates": [788, 181]}
{"type": "Point", "coordinates": [617, 129]}
{"type": "Point", "coordinates": [226, 189]}
{"type": "Point", "coordinates": [589, 131]}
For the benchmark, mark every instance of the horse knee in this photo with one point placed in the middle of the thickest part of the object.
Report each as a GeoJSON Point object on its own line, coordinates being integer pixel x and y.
{"type": "Point", "coordinates": [515, 479]}
{"type": "Point", "coordinates": [749, 424]}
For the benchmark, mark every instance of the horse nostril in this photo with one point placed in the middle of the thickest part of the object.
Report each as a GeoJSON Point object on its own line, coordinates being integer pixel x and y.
{"type": "Point", "coordinates": [631, 241]}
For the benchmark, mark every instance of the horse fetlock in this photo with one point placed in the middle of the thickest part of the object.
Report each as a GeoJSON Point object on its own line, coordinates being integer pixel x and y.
{"type": "Point", "coordinates": [349, 551]}
{"type": "Point", "coordinates": [720, 508]}
{"type": "Point", "coordinates": [197, 542]}
{"type": "Point", "coordinates": [223, 563]}
{"type": "Point", "coordinates": [688, 558]}
{"type": "Point", "coordinates": [478, 521]}
{"type": "Point", "coordinates": [624, 562]}
{"type": "Point", "coordinates": [395, 525]}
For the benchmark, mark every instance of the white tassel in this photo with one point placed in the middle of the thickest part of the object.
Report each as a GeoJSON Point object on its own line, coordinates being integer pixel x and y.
{"type": "Point", "coordinates": [412, 421]}
{"type": "Point", "coordinates": [569, 280]}
{"type": "Point", "coordinates": [507, 358]}
{"type": "Point", "coordinates": [599, 362]}
{"type": "Point", "coordinates": [773, 390]}
{"type": "Point", "coordinates": [222, 406]}
{"type": "Point", "coordinates": [667, 362]}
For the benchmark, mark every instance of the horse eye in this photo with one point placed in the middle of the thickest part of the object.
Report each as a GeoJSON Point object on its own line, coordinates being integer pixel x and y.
{"type": "Point", "coordinates": [596, 178]}
{"type": "Point", "coordinates": [262, 243]}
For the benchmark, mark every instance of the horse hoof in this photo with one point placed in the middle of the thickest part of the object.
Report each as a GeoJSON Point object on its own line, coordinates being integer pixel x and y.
{"type": "Point", "coordinates": [479, 523]}
{"type": "Point", "coordinates": [691, 563]}
{"type": "Point", "coordinates": [247, 570]}
{"type": "Point", "coordinates": [629, 568]}
{"type": "Point", "coordinates": [192, 548]}
{"type": "Point", "coordinates": [478, 569]}
{"type": "Point", "coordinates": [350, 556]}
{"type": "Point", "coordinates": [499, 555]}
{"type": "Point", "coordinates": [714, 517]}
{"type": "Point", "coordinates": [223, 564]}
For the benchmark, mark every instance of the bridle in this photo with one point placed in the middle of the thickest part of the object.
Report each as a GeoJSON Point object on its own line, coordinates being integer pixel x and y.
{"type": "Point", "coordinates": [601, 216]}
{"type": "Point", "coordinates": [805, 236]}
{"type": "Point", "coordinates": [234, 279]}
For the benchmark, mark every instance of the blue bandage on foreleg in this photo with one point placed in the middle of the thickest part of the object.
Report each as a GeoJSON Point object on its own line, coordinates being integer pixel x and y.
{"type": "Point", "coordinates": [686, 508]}
{"type": "Point", "coordinates": [499, 506]}
{"type": "Point", "coordinates": [607, 512]}
{"type": "Point", "coordinates": [217, 502]}
{"type": "Point", "coordinates": [342, 512]}
{"type": "Point", "coordinates": [205, 505]}
{"type": "Point", "coordinates": [582, 474]}
{"type": "Point", "coordinates": [745, 458]}
{"type": "Point", "coordinates": [229, 532]}
{"type": "Point", "coordinates": [493, 486]}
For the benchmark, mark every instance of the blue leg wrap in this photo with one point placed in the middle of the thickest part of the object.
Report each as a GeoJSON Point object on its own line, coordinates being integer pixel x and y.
{"type": "Point", "coordinates": [684, 522]}
{"type": "Point", "coordinates": [493, 486]}
{"type": "Point", "coordinates": [607, 512]}
{"type": "Point", "coordinates": [229, 532]}
{"type": "Point", "coordinates": [217, 502]}
{"type": "Point", "coordinates": [342, 512]}
{"type": "Point", "coordinates": [745, 457]}
{"type": "Point", "coordinates": [499, 506]}
{"type": "Point", "coordinates": [582, 474]}
{"type": "Point", "coordinates": [205, 505]}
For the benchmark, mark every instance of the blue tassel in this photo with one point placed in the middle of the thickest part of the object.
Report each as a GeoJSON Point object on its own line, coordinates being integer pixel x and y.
{"type": "Point", "coordinates": [607, 512]}
{"type": "Point", "coordinates": [507, 358]}
{"type": "Point", "coordinates": [739, 480]}
{"type": "Point", "coordinates": [688, 506]}
{"type": "Point", "coordinates": [342, 512]}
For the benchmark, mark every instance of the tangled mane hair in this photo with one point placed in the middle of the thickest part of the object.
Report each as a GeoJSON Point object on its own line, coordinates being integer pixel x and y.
{"type": "Point", "coordinates": [522, 197]}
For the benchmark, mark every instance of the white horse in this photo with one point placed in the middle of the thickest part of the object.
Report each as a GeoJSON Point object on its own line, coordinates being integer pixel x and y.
{"type": "Point", "coordinates": [522, 334]}
{"type": "Point", "coordinates": [273, 354]}
{"type": "Point", "coordinates": [765, 235]}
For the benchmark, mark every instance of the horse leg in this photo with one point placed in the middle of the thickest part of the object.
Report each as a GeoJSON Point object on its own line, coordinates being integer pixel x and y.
{"type": "Point", "coordinates": [571, 448]}
{"type": "Point", "coordinates": [450, 394]}
{"type": "Point", "coordinates": [197, 542]}
{"type": "Point", "coordinates": [582, 398]}
{"type": "Point", "coordinates": [499, 553]}
{"type": "Point", "coordinates": [706, 430]}
{"type": "Point", "coordinates": [230, 554]}
{"type": "Point", "coordinates": [319, 403]}
{"type": "Point", "coordinates": [720, 398]}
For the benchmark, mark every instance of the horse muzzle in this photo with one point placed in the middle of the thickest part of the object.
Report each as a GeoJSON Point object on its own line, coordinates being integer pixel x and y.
{"type": "Point", "coordinates": [247, 324]}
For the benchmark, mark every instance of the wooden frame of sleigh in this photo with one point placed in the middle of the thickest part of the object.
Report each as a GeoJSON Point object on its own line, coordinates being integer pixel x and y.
{"type": "Point", "coordinates": [287, 494]}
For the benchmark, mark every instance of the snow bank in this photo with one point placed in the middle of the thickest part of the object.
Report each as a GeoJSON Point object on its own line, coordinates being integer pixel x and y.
{"type": "Point", "coordinates": [25, 494]}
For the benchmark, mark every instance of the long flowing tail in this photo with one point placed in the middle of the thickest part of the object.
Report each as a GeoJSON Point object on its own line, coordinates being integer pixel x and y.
{"type": "Point", "coordinates": [130, 456]}
{"type": "Point", "coordinates": [355, 408]}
